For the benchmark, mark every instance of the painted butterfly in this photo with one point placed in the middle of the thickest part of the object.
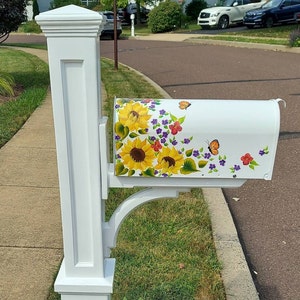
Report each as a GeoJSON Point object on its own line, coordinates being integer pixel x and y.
{"type": "Point", "coordinates": [213, 147]}
{"type": "Point", "coordinates": [184, 104]}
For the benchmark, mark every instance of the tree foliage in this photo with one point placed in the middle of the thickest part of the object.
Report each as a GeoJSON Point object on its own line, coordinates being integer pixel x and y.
{"type": "Point", "coordinates": [165, 17]}
{"type": "Point", "coordinates": [193, 8]}
{"type": "Point", "coordinates": [60, 3]}
{"type": "Point", "coordinates": [35, 8]}
{"type": "Point", "coordinates": [12, 14]}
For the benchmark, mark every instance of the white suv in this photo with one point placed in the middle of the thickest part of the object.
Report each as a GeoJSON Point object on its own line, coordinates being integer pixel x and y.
{"type": "Point", "coordinates": [227, 13]}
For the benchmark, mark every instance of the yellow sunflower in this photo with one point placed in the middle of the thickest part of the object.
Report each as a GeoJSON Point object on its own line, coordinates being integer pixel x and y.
{"type": "Point", "coordinates": [169, 161]}
{"type": "Point", "coordinates": [137, 155]}
{"type": "Point", "coordinates": [134, 115]}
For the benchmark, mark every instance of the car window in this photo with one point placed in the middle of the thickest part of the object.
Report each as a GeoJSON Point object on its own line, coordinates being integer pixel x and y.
{"type": "Point", "coordinates": [272, 3]}
{"type": "Point", "coordinates": [295, 2]}
{"type": "Point", "coordinates": [286, 3]}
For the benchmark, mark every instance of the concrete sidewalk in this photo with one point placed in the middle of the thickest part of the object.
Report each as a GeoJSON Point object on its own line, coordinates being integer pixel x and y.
{"type": "Point", "coordinates": [31, 239]}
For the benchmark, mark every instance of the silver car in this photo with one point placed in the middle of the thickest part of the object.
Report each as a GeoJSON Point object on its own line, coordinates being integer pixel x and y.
{"type": "Point", "coordinates": [108, 28]}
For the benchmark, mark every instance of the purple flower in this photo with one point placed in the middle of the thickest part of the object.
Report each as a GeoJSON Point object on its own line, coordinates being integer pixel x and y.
{"type": "Point", "coordinates": [174, 142]}
{"type": "Point", "coordinates": [212, 166]}
{"type": "Point", "coordinates": [162, 111]}
{"type": "Point", "coordinates": [154, 121]}
{"type": "Point", "coordinates": [261, 152]}
{"type": "Point", "coordinates": [152, 138]}
{"type": "Point", "coordinates": [236, 167]}
{"type": "Point", "coordinates": [164, 175]}
{"type": "Point", "coordinates": [117, 106]}
{"type": "Point", "coordinates": [165, 134]}
{"type": "Point", "coordinates": [158, 130]}
{"type": "Point", "coordinates": [152, 106]}
{"type": "Point", "coordinates": [117, 138]}
{"type": "Point", "coordinates": [165, 122]}
{"type": "Point", "coordinates": [186, 141]}
{"type": "Point", "coordinates": [222, 162]}
{"type": "Point", "coordinates": [207, 155]}
{"type": "Point", "coordinates": [195, 153]}
{"type": "Point", "coordinates": [163, 140]}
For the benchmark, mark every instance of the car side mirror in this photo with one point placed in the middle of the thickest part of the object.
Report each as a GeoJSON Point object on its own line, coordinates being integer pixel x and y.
{"type": "Point", "coordinates": [235, 4]}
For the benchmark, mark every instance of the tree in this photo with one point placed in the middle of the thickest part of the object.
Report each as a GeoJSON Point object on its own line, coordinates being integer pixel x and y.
{"type": "Point", "coordinates": [60, 3]}
{"type": "Point", "coordinates": [12, 14]}
{"type": "Point", "coordinates": [35, 8]}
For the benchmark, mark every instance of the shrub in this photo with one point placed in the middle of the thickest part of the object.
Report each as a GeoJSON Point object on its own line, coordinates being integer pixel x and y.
{"type": "Point", "coordinates": [30, 26]}
{"type": "Point", "coordinates": [193, 8]}
{"type": "Point", "coordinates": [165, 17]}
{"type": "Point", "coordinates": [7, 82]}
{"type": "Point", "coordinates": [12, 14]}
{"type": "Point", "coordinates": [295, 38]}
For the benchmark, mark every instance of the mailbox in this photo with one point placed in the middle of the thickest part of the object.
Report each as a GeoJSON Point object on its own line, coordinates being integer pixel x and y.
{"type": "Point", "coordinates": [179, 138]}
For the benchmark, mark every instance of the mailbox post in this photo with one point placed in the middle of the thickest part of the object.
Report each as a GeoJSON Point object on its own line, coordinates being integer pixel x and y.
{"type": "Point", "coordinates": [74, 61]}
{"type": "Point", "coordinates": [168, 145]}
{"type": "Point", "coordinates": [132, 16]}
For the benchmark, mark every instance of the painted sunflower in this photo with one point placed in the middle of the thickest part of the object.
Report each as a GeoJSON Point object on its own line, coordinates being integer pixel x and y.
{"type": "Point", "coordinates": [137, 154]}
{"type": "Point", "coordinates": [134, 115]}
{"type": "Point", "coordinates": [169, 161]}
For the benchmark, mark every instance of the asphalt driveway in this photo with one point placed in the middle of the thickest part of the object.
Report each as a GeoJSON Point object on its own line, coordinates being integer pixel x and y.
{"type": "Point", "coordinates": [267, 212]}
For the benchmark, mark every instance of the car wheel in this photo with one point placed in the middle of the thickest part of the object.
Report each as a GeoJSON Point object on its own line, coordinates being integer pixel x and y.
{"type": "Point", "coordinates": [269, 22]}
{"type": "Point", "coordinates": [223, 22]}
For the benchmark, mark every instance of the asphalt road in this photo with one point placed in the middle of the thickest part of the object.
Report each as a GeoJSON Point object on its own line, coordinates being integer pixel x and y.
{"type": "Point", "coordinates": [267, 213]}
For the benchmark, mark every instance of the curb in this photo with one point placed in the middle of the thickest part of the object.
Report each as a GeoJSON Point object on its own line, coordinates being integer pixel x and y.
{"type": "Point", "coordinates": [235, 274]}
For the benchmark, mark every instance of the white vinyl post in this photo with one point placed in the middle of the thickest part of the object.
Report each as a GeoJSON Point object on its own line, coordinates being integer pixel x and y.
{"type": "Point", "coordinates": [74, 60]}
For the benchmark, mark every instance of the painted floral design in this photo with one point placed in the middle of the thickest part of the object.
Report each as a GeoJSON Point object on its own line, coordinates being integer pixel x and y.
{"type": "Point", "coordinates": [150, 141]}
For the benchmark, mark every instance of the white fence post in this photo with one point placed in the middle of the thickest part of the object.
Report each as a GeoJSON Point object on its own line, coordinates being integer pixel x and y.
{"type": "Point", "coordinates": [74, 59]}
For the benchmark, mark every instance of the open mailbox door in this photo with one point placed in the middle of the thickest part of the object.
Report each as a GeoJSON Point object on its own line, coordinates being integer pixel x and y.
{"type": "Point", "coordinates": [172, 138]}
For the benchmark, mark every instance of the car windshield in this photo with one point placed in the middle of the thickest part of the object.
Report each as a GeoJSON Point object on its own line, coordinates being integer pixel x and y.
{"type": "Point", "coordinates": [272, 3]}
{"type": "Point", "coordinates": [225, 3]}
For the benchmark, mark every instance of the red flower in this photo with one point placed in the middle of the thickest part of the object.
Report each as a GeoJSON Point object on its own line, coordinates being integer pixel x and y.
{"type": "Point", "coordinates": [156, 146]}
{"type": "Point", "coordinates": [246, 159]}
{"type": "Point", "coordinates": [175, 128]}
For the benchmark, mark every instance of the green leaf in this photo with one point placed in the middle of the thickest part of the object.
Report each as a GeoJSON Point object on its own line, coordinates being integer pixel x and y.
{"type": "Point", "coordinates": [202, 163]}
{"type": "Point", "coordinates": [173, 118]}
{"type": "Point", "coordinates": [131, 172]}
{"type": "Point", "coordinates": [120, 169]}
{"type": "Point", "coordinates": [251, 167]}
{"type": "Point", "coordinates": [133, 135]}
{"type": "Point", "coordinates": [149, 172]}
{"type": "Point", "coordinates": [118, 145]}
{"type": "Point", "coordinates": [189, 152]}
{"type": "Point", "coordinates": [181, 120]}
{"type": "Point", "coordinates": [254, 163]}
{"type": "Point", "coordinates": [142, 131]}
{"type": "Point", "coordinates": [189, 166]}
{"type": "Point", "coordinates": [121, 130]}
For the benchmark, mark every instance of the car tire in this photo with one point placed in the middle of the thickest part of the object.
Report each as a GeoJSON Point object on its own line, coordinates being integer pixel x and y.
{"type": "Point", "coordinates": [269, 22]}
{"type": "Point", "coordinates": [223, 22]}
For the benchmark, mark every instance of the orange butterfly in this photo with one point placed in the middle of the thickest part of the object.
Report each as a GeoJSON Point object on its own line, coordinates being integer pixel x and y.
{"type": "Point", "coordinates": [184, 104]}
{"type": "Point", "coordinates": [213, 147]}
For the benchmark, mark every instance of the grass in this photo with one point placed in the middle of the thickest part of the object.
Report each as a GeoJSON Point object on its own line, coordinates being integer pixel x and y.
{"type": "Point", "coordinates": [32, 74]}
{"type": "Point", "coordinates": [165, 248]}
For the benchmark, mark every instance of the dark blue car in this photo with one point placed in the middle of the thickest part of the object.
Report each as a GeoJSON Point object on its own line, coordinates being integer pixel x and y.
{"type": "Point", "coordinates": [273, 12]}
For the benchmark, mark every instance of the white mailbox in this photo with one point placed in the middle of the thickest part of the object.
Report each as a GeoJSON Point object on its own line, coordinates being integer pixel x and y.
{"type": "Point", "coordinates": [175, 138]}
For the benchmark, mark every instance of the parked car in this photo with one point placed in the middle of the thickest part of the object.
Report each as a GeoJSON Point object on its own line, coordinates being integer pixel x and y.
{"type": "Point", "coordinates": [108, 29]}
{"type": "Point", "coordinates": [274, 11]}
{"type": "Point", "coordinates": [124, 13]}
{"type": "Point", "coordinates": [227, 13]}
